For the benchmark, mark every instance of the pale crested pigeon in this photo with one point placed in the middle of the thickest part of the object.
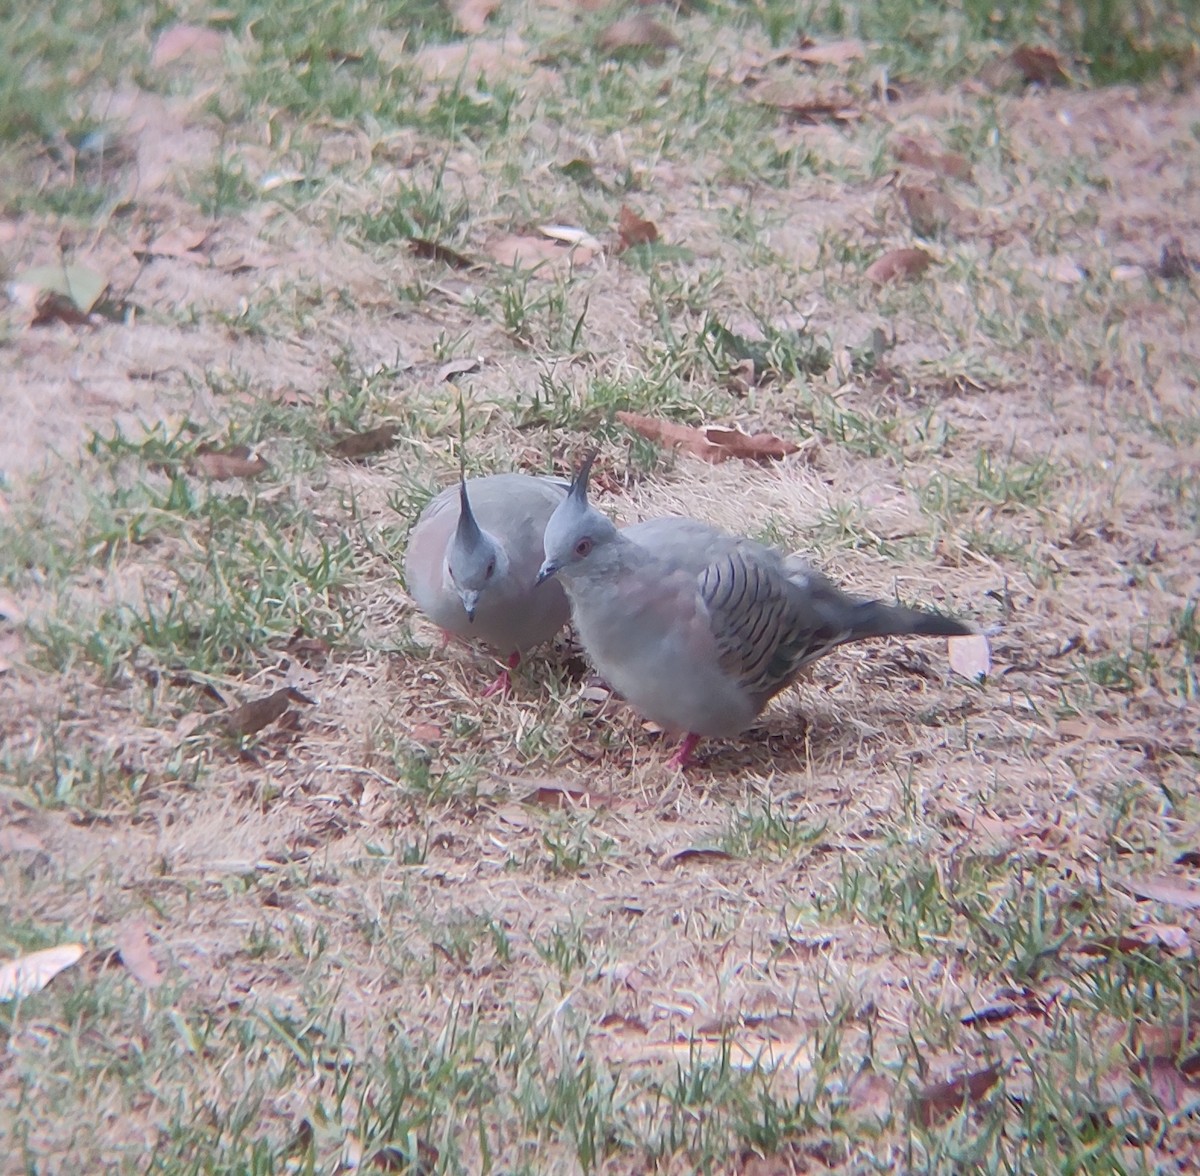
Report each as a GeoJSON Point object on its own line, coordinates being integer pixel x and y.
{"type": "Point", "coordinates": [699, 629]}
{"type": "Point", "coordinates": [472, 559]}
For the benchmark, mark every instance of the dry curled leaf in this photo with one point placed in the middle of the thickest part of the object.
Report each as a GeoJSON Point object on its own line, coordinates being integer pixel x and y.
{"type": "Point", "coordinates": [133, 946]}
{"type": "Point", "coordinates": [1168, 891]}
{"type": "Point", "coordinates": [356, 445]}
{"type": "Point", "coordinates": [457, 367]}
{"type": "Point", "coordinates": [711, 442]}
{"type": "Point", "coordinates": [30, 973]}
{"type": "Point", "coordinates": [240, 461]}
{"type": "Point", "coordinates": [436, 251]}
{"type": "Point", "coordinates": [831, 52]}
{"type": "Point", "coordinates": [471, 16]}
{"type": "Point", "coordinates": [970, 656]}
{"type": "Point", "coordinates": [426, 732]}
{"type": "Point", "coordinates": [1039, 66]}
{"type": "Point", "coordinates": [186, 42]}
{"type": "Point", "coordinates": [802, 105]}
{"type": "Point", "coordinates": [66, 292]}
{"type": "Point", "coordinates": [636, 32]}
{"type": "Point", "coordinates": [259, 712]}
{"type": "Point", "coordinates": [897, 264]}
{"type": "Point", "coordinates": [570, 235]}
{"type": "Point", "coordinates": [701, 853]}
{"type": "Point", "coordinates": [929, 211]}
{"type": "Point", "coordinates": [309, 650]}
{"type": "Point", "coordinates": [520, 251]}
{"type": "Point", "coordinates": [918, 153]}
{"type": "Point", "coordinates": [634, 230]}
{"type": "Point", "coordinates": [181, 242]}
{"type": "Point", "coordinates": [1144, 937]}
{"type": "Point", "coordinates": [932, 1104]}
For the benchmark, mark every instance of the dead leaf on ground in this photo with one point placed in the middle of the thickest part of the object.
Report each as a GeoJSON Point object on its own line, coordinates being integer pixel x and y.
{"type": "Point", "coordinates": [133, 946]}
{"type": "Point", "coordinates": [1150, 936]}
{"type": "Point", "coordinates": [831, 52]}
{"type": "Point", "coordinates": [189, 42]}
{"type": "Point", "coordinates": [58, 291]}
{"type": "Point", "coordinates": [30, 973]}
{"type": "Point", "coordinates": [871, 1094]}
{"type": "Point", "coordinates": [181, 242]}
{"type": "Point", "coordinates": [563, 794]}
{"type": "Point", "coordinates": [310, 650]}
{"type": "Point", "coordinates": [570, 235]}
{"type": "Point", "coordinates": [425, 732]}
{"type": "Point", "coordinates": [471, 16]}
{"type": "Point", "coordinates": [457, 367]}
{"type": "Point", "coordinates": [941, 1100]}
{"type": "Point", "coordinates": [1173, 1083]}
{"type": "Point", "coordinates": [466, 61]}
{"type": "Point", "coordinates": [970, 656]}
{"type": "Point", "coordinates": [634, 33]}
{"type": "Point", "coordinates": [436, 251]}
{"type": "Point", "coordinates": [801, 105]}
{"type": "Point", "coordinates": [929, 211]}
{"type": "Point", "coordinates": [259, 712]}
{"type": "Point", "coordinates": [634, 230]}
{"type": "Point", "coordinates": [700, 853]}
{"type": "Point", "coordinates": [520, 251]}
{"type": "Point", "coordinates": [239, 461]}
{"type": "Point", "coordinates": [1159, 888]}
{"type": "Point", "coordinates": [897, 264]}
{"type": "Point", "coordinates": [927, 156]}
{"type": "Point", "coordinates": [1059, 269]}
{"type": "Point", "coordinates": [1039, 66]}
{"type": "Point", "coordinates": [1174, 262]}
{"type": "Point", "coordinates": [356, 445]}
{"type": "Point", "coordinates": [1014, 1003]}
{"type": "Point", "coordinates": [711, 442]}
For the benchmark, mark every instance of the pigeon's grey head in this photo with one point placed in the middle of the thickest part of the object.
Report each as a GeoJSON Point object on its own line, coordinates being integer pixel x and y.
{"type": "Point", "coordinates": [575, 530]}
{"type": "Point", "coordinates": [474, 560]}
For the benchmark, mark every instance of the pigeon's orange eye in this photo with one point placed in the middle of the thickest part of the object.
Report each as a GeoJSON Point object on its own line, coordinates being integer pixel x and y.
{"type": "Point", "coordinates": [583, 547]}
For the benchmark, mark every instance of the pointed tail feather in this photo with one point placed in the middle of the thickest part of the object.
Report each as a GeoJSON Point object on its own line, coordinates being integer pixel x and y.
{"type": "Point", "coordinates": [873, 618]}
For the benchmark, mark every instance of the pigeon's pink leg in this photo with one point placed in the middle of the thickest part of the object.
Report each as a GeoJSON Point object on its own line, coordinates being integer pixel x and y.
{"type": "Point", "coordinates": [683, 754]}
{"type": "Point", "coordinates": [503, 683]}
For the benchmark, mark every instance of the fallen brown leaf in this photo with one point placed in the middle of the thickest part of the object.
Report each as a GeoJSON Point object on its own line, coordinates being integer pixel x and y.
{"type": "Point", "coordinates": [436, 251]}
{"type": "Point", "coordinates": [711, 442]}
{"type": "Point", "coordinates": [1039, 66]}
{"type": "Point", "coordinates": [929, 211]}
{"type": "Point", "coordinates": [426, 732]}
{"type": "Point", "coordinates": [133, 946]}
{"type": "Point", "coordinates": [939, 1101]}
{"type": "Point", "coordinates": [471, 16]}
{"type": "Point", "coordinates": [240, 461]}
{"type": "Point", "coordinates": [1015, 1004]}
{"type": "Point", "coordinates": [356, 445]}
{"type": "Point", "coordinates": [801, 105]}
{"type": "Point", "coordinates": [310, 650]}
{"type": "Point", "coordinates": [1168, 891]}
{"type": "Point", "coordinates": [185, 41]}
{"type": "Point", "coordinates": [633, 230]}
{"type": "Point", "coordinates": [457, 367]}
{"type": "Point", "coordinates": [897, 264]}
{"type": "Point", "coordinates": [179, 242]}
{"type": "Point", "coordinates": [917, 153]}
{"type": "Point", "coordinates": [1150, 936]}
{"type": "Point", "coordinates": [700, 853]}
{"type": "Point", "coordinates": [519, 251]}
{"type": "Point", "coordinates": [635, 32]}
{"type": "Point", "coordinates": [259, 712]}
{"type": "Point", "coordinates": [831, 52]}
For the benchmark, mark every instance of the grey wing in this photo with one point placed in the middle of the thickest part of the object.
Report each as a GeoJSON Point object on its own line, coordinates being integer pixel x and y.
{"type": "Point", "coordinates": [765, 628]}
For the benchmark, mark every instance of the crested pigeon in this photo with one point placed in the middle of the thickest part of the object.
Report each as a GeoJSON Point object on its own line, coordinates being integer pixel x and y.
{"type": "Point", "coordinates": [699, 629]}
{"type": "Point", "coordinates": [471, 562]}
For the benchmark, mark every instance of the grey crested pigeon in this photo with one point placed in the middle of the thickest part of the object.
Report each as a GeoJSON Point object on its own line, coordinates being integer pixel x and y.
{"type": "Point", "coordinates": [699, 629]}
{"type": "Point", "coordinates": [472, 559]}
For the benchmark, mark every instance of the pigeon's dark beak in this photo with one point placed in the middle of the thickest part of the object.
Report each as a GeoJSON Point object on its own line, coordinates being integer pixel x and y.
{"type": "Point", "coordinates": [470, 602]}
{"type": "Point", "coordinates": [548, 571]}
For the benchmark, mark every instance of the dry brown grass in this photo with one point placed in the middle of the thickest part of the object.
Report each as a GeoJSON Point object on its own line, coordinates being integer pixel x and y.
{"type": "Point", "coordinates": [406, 870]}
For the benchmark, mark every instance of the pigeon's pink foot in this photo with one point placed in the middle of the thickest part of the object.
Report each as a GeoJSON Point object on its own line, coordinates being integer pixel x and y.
{"type": "Point", "coordinates": [683, 754]}
{"type": "Point", "coordinates": [503, 683]}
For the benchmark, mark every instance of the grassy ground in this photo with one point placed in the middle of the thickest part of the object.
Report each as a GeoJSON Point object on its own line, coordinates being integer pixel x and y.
{"type": "Point", "coordinates": [907, 923]}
